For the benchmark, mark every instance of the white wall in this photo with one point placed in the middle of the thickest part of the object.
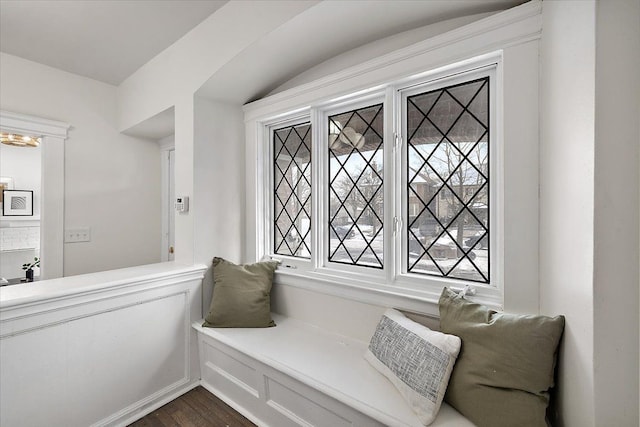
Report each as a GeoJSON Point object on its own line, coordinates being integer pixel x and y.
{"type": "Point", "coordinates": [167, 142]}
{"type": "Point", "coordinates": [219, 185]}
{"type": "Point", "coordinates": [616, 215]}
{"type": "Point", "coordinates": [166, 81]}
{"type": "Point", "coordinates": [589, 205]}
{"type": "Point", "coordinates": [566, 197]}
{"type": "Point", "coordinates": [112, 181]}
{"type": "Point", "coordinates": [219, 180]}
{"type": "Point", "coordinates": [183, 67]}
{"type": "Point", "coordinates": [184, 176]}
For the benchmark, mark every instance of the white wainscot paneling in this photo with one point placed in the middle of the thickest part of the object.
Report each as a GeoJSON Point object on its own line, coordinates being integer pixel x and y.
{"type": "Point", "coordinates": [269, 397]}
{"type": "Point", "coordinates": [299, 408]}
{"type": "Point", "coordinates": [103, 357]}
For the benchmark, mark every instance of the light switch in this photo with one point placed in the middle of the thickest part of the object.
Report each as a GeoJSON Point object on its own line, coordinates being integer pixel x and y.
{"type": "Point", "coordinates": [77, 235]}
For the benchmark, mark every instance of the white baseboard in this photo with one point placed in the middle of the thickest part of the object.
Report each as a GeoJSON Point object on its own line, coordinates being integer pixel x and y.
{"type": "Point", "coordinates": [147, 406]}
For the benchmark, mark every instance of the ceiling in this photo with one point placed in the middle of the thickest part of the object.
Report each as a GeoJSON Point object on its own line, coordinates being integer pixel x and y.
{"type": "Point", "coordinates": [328, 29]}
{"type": "Point", "coordinates": [108, 40]}
{"type": "Point", "coordinates": [102, 39]}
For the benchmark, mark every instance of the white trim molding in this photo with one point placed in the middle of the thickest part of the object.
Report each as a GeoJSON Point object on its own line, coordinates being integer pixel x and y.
{"type": "Point", "coordinates": [167, 178]}
{"type": "Point", "coordinates": [24, 123]}
{"type": "Point", "coordinates": [53, 134]}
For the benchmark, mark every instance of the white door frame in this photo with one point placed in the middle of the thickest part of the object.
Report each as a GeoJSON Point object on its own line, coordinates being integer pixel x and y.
{"type": "Point", "coordinates": [167, 204]}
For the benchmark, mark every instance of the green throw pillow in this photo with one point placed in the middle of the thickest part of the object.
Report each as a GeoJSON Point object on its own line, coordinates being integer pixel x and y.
{"type": "Point", "coordinates": [506, 364]}
{"type": "Point", "coordinates": [241, 295]}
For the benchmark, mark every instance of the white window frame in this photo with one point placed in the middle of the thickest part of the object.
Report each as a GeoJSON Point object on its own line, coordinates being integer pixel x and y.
{"type": "Point", "coordinates": [513, 37]}
{"type": "Point", "coordinates": [267, 155]}
{"type": "Point", "coordinates": [488, 66]}
{"type": "Point", "coordinates": [393, 276]}
{"type": "Point", "coordinates": [323, 264]}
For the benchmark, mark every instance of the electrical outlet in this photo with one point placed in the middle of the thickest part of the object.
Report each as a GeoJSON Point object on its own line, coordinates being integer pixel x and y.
{"type": "Point", "coordinates": [77, 235]}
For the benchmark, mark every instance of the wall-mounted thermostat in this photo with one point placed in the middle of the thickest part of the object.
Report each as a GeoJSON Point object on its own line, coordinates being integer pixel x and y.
{"type": "Point", "coordinates": [182, 204]}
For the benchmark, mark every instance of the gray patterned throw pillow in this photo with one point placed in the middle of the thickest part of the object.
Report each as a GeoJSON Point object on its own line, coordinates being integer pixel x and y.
{"type": "Point", "coordinates": [417, 360]}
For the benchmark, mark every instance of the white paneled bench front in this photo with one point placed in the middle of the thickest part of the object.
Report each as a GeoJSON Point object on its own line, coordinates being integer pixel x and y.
{"type": "Point", "coordinates": [297, 374]}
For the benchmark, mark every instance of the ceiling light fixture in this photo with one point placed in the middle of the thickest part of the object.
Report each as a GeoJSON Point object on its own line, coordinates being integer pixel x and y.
{"type": "Point", "coordinates": [19, 140]}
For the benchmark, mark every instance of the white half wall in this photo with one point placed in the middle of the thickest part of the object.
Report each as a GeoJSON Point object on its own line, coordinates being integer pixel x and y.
{"type": "Point", "coordinates": [100, 349]}
{"type": "Point", "coordinates": [112, 181]}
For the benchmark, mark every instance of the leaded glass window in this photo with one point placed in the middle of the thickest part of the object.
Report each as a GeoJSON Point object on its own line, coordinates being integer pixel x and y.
{"type": "Point", "coordinates": [355, 142]}
{"type": "Point", "coordinates": [448, 181]}
{"type": "Point", "coordinates": [292, 190]}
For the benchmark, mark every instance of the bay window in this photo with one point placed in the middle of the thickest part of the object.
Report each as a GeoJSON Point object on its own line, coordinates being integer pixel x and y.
{"type": "Point", "coordinates": [392, 186]}
{"type": "Point", "coordinates": [411, 171]}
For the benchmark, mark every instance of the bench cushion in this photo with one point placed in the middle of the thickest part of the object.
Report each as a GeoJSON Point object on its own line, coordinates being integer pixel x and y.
{"type": "Point", "coordinates": [241, 295]}
{"type": "Point", "coordinates": [417, 360]}
{"type": "Point", "coordinates": [330, 363]}
{"type": "Point", "coordinates": [506, 364]}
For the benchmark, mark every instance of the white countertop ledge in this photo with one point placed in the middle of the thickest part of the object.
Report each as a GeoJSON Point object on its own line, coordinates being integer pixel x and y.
{"type": "Point", "coordinates": [64, 287]}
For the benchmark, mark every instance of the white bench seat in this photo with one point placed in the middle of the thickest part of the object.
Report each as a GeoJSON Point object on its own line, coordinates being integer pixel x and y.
{"type": "Point", "coordinates": [305, 374]}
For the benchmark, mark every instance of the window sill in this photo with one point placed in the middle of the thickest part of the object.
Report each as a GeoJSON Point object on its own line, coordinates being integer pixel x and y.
{"type": "Point", "coordinates": [402, 295]}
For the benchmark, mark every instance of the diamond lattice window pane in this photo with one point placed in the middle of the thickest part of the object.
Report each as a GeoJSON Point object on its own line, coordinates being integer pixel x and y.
{"type": "Point", "coordinates": [448, 182]}
{"type": "Point", "coordinates": [292, 190]}
{"type": "Point", "coordinates": [356, 187]}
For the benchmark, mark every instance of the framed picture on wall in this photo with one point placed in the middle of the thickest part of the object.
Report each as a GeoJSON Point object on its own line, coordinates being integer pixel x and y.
{"type": "Point", "coordinates": [17, 203]}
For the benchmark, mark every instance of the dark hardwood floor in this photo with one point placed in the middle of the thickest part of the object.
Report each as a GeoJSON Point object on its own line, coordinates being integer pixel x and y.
{"type": "Point", "coordinates": [197, 408]}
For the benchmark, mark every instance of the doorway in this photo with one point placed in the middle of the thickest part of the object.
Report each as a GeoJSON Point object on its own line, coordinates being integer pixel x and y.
{"type": "Point", "coordinates": [20, 194]}
{"type": "Point", "coordinates": [51, 201]}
